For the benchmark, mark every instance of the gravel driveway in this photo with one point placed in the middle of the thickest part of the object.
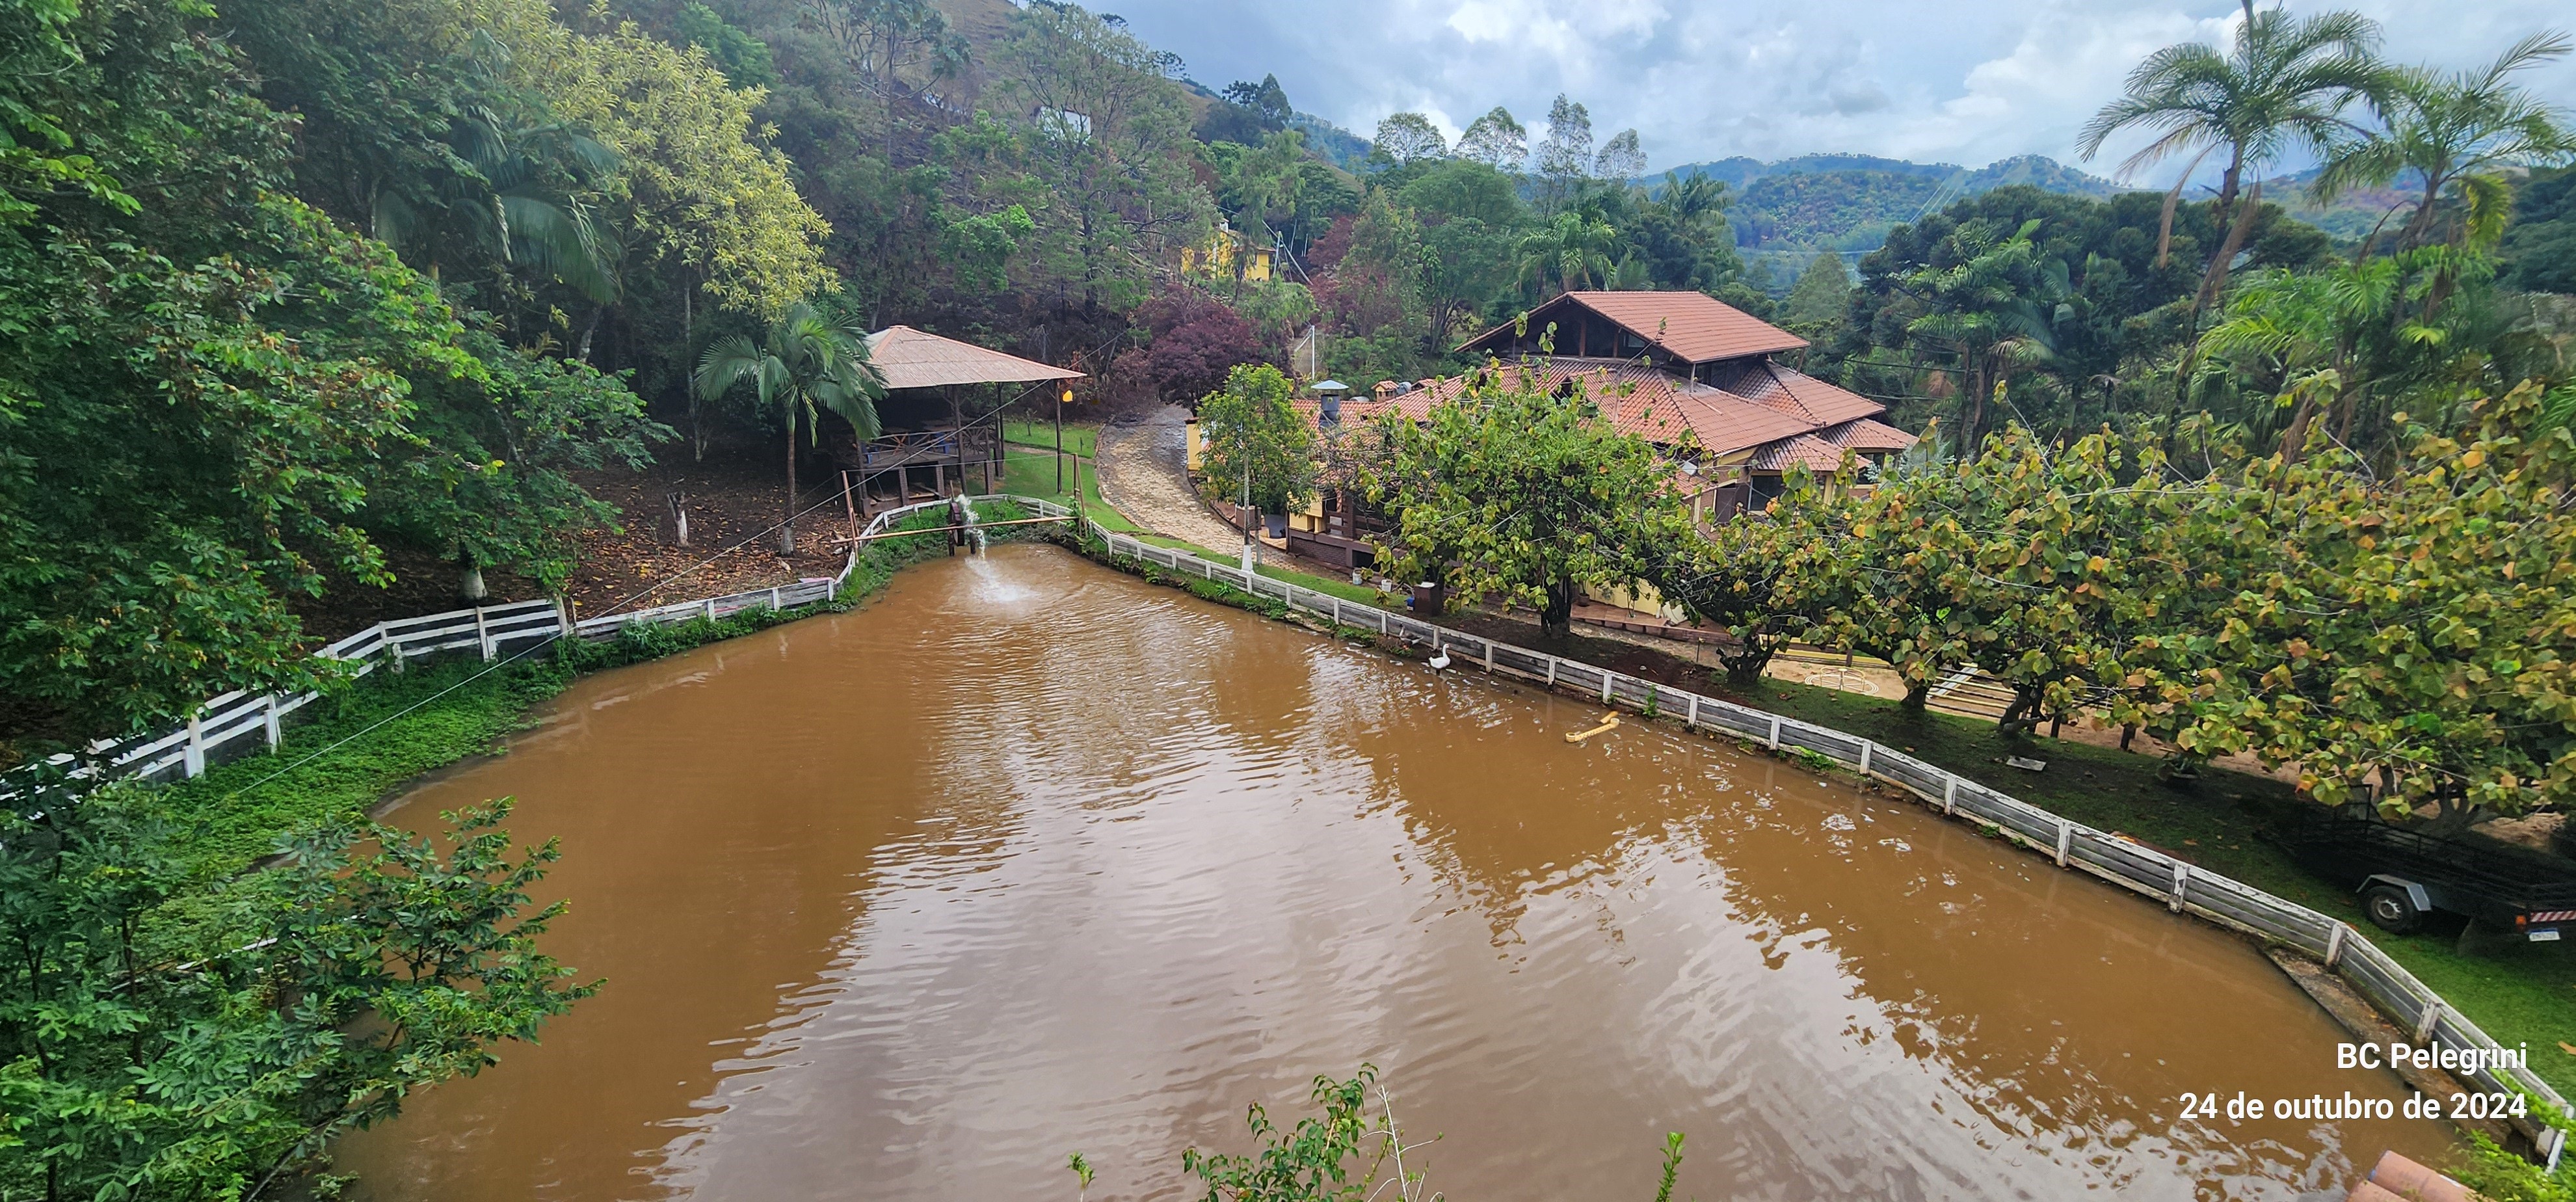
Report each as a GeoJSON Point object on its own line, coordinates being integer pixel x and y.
{"type": "Point", "coordinates": [1143, 473]}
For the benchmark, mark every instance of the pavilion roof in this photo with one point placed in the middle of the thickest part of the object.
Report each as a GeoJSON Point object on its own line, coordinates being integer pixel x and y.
{"type": "Point", "coordinates": [911, 358]}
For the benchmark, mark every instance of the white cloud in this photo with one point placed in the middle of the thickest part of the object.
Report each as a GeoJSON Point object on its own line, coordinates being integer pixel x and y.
{"type": "Point", "coordinates": [1967, 81]}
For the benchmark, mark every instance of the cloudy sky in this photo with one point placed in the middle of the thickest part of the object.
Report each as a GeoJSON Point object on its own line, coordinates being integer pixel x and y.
{"type": "Point", "coordinates": [1963, 81]}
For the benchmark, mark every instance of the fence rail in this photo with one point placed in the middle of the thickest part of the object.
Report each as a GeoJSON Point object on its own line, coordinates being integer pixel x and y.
{"type": "Point", "coordinates": [2182, 886]}
{"type": "Point", "coordinates": [222, 724]}
{"type": "Point", "coordinates": [235, 716]}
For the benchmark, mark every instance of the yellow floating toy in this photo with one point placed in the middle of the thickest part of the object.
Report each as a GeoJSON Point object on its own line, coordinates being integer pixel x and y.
{"type": "Point", "coordinates": [1609, 721]}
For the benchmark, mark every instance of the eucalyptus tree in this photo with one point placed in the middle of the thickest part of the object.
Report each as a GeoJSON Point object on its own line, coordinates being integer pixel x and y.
{"type": "Point", "coordinates": [1497, 140]}
{"type": "Point", "coordinates": [1408, 137]}
{"type": "Point", "coordinates": [805, 365]}
{"type": "Point", "coordinates": [2458, 131]}
{"type": "Point", "coordinates": [2285, 83]}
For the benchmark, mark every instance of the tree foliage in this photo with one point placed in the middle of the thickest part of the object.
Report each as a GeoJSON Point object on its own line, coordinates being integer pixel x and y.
{"type": "Point", "coordinates": [1512, 494]}
{"type": "Point", "coordinates": [153, 1046]}
{"type": "Point", "coordinates": [1257, 442]}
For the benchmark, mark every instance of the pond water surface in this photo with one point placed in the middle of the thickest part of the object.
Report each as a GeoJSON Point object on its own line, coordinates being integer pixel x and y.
{"type": "Point", "coordinates": [1028, 857]}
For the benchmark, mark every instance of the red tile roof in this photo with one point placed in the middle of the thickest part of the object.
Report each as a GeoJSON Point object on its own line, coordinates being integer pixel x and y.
{"type": "Point", "coordinates": [1692, 326]}
{"type": "Point", "coordinates": [1790, 418]}
{"type": "Point", "coordinates": [1818, 455]}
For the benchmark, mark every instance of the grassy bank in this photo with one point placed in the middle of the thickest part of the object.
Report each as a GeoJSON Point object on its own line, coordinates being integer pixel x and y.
{"type": "Point", "coordinates": [1032, 473]}
{"type": "Point", "coordinates": [2520, 992]}
{"type": "Point", "coordinates": [369, 739]}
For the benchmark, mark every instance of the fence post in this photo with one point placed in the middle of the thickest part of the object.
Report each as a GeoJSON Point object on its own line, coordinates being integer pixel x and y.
{"type": "Point", "coordinates": [2424, 1023]}
{"type": "Point", "coordinates": [1489, 655]}
{"type": "Point", "coordinates": [2334, 944]}
{"type": "Point", "coordinates": [482, 634]}
{"type": "Point", "coordinates": [2065, 840]}
{"type": "Point", "coordinates": [268, 706]}
{"type": "Point", "coordinates": [1337, 611]}
{"type": "Point", "coordinates": [711, 609]}
{"type": "Point", "coordinates": [1607, 676]}
{"type": "Point", "coordinates": [1551, 671]}
{"type": "Point", "coordinates": [774, 606]}
{"type": "Point", "coordinates": [1693, 719]}
{"type": "Point", "coordinates": [1775, 732]}
{"type": "Point", "coordinates": [1949, 795]}
{"type": "Point", "coordinates": [564, 626]}
{"type": "Point", "coordinates": [194, 759]}
{"type": "Point", "coordinates": [1867, 746]}
{"type": "Point", "coordinates": [2182, 881]}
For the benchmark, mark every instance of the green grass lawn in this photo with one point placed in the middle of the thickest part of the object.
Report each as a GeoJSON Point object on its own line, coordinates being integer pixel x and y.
{"type": "Point", "coordinates": [1033, 473]}
{"type": "Point", "coordinates": [2518, 991]}
{"type": "Point", "coordinates": [1078, 439]}
{"type": "Point", "coordinates": [1337, 586]}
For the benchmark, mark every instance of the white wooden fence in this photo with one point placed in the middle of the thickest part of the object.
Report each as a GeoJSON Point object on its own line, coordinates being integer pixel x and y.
{"type": "Point", "coordinates": [2183, 887]}
{"type": "Point", "coordinates": [237, 716]}
{"type": "Point", "coordinates": [2074, 846]}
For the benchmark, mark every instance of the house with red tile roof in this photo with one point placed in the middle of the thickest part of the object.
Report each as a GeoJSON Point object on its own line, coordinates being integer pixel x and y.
{"type": "Point", "coordinates": [1661, 363]}
{"type": "Point", "coordinates": [1679, 369]}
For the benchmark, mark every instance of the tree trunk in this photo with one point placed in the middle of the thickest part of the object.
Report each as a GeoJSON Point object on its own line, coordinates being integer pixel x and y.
{"type": "Point", "coordinates": [1917, 693]}
{"type": "Point", "coordinates": [688, 338]}
{"type": "Point", "coordinates": [1744, 665]}
{"type": "Point", "coordinates": [787, 528]}
{"type": "Point", "coordinates": [589, 328]}
{"type": "Point", "coordinates": [1556, 618]}
{"type": "Point", "coordinates": [469, 581]}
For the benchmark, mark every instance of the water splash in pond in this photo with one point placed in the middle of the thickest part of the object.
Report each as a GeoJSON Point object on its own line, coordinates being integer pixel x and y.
{"type": "Point", "coordinates": [1029, 857]}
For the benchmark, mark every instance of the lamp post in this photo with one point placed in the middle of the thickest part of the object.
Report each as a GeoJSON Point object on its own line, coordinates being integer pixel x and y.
{"type": "Point", "coordinates": [1246, 512]}
{"type": "Point", "coordinates": [1060, 399]}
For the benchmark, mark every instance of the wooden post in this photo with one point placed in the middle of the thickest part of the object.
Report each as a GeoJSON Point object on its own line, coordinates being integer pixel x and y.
{"type": "Point", "coordinates": [2334, 944]}
{"type": "Point", "coordinates": [1866, 746]}
{"type": "Point", "coordinates": [846, 506]}
{"type": "Point", "coordinates": [1775, 732]}
{"type": "Point", "coordinates": [268, 705]}
{"type": "Point", "coordinates": [774, 606]}
{"type": "Point", "coordinates": [1950, 797]}
{"type": "Point", "coordinates": [482, 634]}
{"type": "Point", "coordinates": [1607, 676]}
{"type": "Point", "coordinates": [2424, 1023]}
{"type": "Point", "coordinates": [1693, 719]}
{"type": "Point", "coordinates": [2065, 840]}
{"type": "Point", "coordinates": [193, 760]}
{"type": "Point", "coordinates": [2181, 881]}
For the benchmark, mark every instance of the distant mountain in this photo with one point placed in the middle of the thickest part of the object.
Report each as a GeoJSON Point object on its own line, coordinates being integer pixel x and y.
{"type": "Point", "coordinates": [1339, 146]}
{"type": "Point", "coordinates": [1848, 202]}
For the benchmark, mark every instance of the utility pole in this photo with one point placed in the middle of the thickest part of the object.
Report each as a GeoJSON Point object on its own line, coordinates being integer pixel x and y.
{"type": "Point", "coordinates": [1060, 399]}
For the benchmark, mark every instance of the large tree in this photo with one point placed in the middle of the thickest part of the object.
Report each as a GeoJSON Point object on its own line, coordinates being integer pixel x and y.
{"type": "Point", "coordinates": [2457, 132]}
{"type": "Point", "coordinates": [1518, 495]}
{"type": "Point", "coordinates": [2283, 84]}
{"type": "Point", "coordinates": [1257, 444]}
{"type": "Point", "coordinates": [804, 365]}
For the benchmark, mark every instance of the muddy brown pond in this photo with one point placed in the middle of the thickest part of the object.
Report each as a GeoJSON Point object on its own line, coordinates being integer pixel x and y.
{"type": "Point", "coordinates": [1029, 857]}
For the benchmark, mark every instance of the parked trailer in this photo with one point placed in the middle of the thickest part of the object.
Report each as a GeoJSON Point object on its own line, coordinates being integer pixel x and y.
{"type": "Point", "coordinates": [2404, 875]}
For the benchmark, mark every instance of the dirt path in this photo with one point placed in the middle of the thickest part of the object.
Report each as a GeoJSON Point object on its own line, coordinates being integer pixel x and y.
{"type": "Point", "coordinates": [1143, 474]}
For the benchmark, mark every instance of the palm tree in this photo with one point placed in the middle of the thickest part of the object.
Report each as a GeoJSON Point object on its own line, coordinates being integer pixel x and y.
{"type": "Point", "coordinates": [2284, 83]}
{"type": "Point", "coordinates": [1571, 251]}
{"type": "Point", "coordinates": [2458, 128]}
{"type": "Point", "coordinates": [805, 362]}
{"type": "Point", "coordinates": [1995, 311]}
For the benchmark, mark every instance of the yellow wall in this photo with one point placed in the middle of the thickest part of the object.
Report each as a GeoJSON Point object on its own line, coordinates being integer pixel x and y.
{"type": "Point", "coordinates": [1218, 258]}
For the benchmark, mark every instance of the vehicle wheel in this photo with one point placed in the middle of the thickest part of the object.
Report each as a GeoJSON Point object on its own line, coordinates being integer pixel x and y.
{"type": "Point", "coordinates": [2391, 910]}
